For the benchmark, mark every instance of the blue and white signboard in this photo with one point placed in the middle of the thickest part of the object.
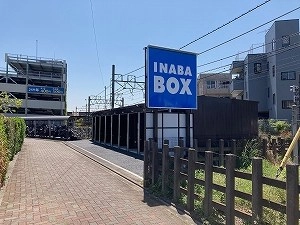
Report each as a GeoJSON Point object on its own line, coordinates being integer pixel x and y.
{"type": "Point", "coordinates": [171, 79]}
{"type": "Point", "coordinates": [45, 90]}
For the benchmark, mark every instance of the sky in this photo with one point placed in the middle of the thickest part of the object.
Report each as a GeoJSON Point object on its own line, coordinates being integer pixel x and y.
{"type": "Point", "coordinates": [93, 35]}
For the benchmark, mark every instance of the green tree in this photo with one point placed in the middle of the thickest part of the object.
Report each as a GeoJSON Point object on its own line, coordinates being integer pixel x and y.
{"type": "Point", "coordinates": [8, 102]}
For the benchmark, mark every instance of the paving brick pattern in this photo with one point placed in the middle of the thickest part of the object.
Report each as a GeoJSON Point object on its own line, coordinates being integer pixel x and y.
{"type": "Point", "coordinates": [52, 184]}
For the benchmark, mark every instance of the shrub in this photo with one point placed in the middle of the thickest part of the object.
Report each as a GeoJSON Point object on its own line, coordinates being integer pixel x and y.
{"type": "Point", "coordinates": [12, 134]}
{"type": "Point", "coordinates": [273, 127]}
{"type": "Point", "coordinates": [10, 130]}
{"type": "Point", "coordinates": [252, 149]}
{"type": "Point", "coordinates": [3, 150]}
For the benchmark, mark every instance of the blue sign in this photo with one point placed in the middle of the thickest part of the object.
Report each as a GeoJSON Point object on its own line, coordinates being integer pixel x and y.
{"type": "Point", "coordinates": [171, 79]}
{"type": "Point", "coordinates": [45, 90]}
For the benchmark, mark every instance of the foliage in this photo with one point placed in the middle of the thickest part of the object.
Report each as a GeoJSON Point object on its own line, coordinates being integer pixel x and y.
{"type": "Point", "coordinates": [269, 193]}
{"type": "Point", "coordinates": [15, 132]}
{"type": "Point", "coordinates": [251, 150]}
{"type": "Point", "coordinates": [274, 127]}
{"type": "Point", "coordinates": [8, 102]}
{"type": "Point", "coordinates": [3, 151]}
{"type": "Point", "coordinates": [12, 133]}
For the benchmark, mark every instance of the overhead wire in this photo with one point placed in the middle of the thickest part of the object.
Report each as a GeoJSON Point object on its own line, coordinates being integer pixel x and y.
{"type": "Point", "coordinates": [245, 51]}
{"type": "Point", "coordinates": [261, 56]}
{"type": "Point", "coordinates": [127, 92]}
{"type": "Point", "coordinates": [247, 32]}
{"type": "Point", "coordinates": [96, 42]}
{"type": "Point", "coordinates": [229, 22]}
{"type": "Point", "coordinates": [207, 34]}
{"type": "Point", "coordinates": [231, 38]}
{"type": "Point", "coordinates": [282, 66]}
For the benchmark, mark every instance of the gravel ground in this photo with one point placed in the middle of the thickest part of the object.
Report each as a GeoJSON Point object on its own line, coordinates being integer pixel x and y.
{"type": "Point", "coordinates": [126, 160]}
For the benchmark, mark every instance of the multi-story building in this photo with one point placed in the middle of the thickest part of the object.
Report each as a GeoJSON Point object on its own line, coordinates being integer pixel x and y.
{"type": "Point", "coordinates": [267, 77]}
{"type": "Point", "coordinates": [214, 84]}
{"type": "Point", "coordinates": [41, 83]}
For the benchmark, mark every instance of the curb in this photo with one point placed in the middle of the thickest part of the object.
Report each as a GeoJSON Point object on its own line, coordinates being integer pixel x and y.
{"type": "Point", "coordinates": [131, 177]}
{"type": "Point", "coordinates": [126, 174]}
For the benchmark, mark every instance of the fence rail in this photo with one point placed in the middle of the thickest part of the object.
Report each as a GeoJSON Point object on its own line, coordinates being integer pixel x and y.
{"type": "Point", "coordinates": [183, 170]}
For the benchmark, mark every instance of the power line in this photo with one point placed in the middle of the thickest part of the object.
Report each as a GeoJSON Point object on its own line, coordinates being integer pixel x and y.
{"type": "Point", "coordinates": [134, 70]}
{"type": "Point", "coordinates": [229, 39]}
{"type": "Point", "coordinates": [258, 57]}
{"type": "Point", "coordinates": [229, 22]}
{"type": "Point", "coordinates": [96, 43]}
{"type": "Point", "coordinates": [243, 14]}
{"type": "Point", "coordinates": [246, 51]}
{"type": "Point", "coordinates": [281, 66]}
{"type": "Point", "coordinates": [247, 32]}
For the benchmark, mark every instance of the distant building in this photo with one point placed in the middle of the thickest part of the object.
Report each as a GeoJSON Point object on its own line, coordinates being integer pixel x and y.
{"type": "Point", "coordinates": [267, 77]}
{"type": "Point", "coordinates": [40, 82]}
{"type": "Point", "coordinates": [214, 84]}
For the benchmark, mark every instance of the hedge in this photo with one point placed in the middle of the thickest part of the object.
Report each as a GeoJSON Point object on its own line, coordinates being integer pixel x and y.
{"type": "Point", "coordinates": [12, 134]}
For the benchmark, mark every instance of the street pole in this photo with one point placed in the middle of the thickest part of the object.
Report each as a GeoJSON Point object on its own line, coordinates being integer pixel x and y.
{"type": "Point", "coordinates": [295, 118]}
{"type": "Point", "coordinates": [105, 101]}
{"type": "Point", "coordinates": [113, 87]}
{"type": "Point", "coordinates": [89, 107]}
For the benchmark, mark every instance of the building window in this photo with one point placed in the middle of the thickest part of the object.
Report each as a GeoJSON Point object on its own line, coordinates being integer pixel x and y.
{"type": "Point", "coordinates": [268, 66]}
{"type": "Point", "coordinates": [211, 84]}
{"type": "Point", "coordinates": [224, 84]}
{"type": "Point", "coordinates": [274, 99]}
{"type": "Point", "coordinates": [285, 40]}
{"type": "Point", "coordinates": [291, 75]}
{"type": "Point", "coordinates": [273, 44]}
{"type": "Point", "coordinates": [287, 104]}
{"type": "Point", "coordinates": [257, 67]}
{"type": "Point", "coordinates": [268, 92]}
{"type": "Point", "coordinates": [273, 70]}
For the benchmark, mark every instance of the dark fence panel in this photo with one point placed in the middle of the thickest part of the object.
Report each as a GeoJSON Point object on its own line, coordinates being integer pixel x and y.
{"type": "Point", "coordinates": [225, 118]}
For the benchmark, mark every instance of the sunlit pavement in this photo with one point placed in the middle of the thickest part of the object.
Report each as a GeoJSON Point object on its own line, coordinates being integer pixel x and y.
{"type": "Point", "coordinates": [52, 184]}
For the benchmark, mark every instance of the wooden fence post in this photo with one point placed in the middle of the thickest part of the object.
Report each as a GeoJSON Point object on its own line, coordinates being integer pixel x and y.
{"type": "Point", "coordinates": [146, 164]}
{"type": "Point", "coordinates": [165, 168]}
{"type": "Point", "coordinates": [274, 149]}
{"type": "Point", "coordinates": [154, 162]}
{"type": "Point", "coordinates": [208, 145]}
{"type": "Point", "coordinates": [292, 194]}
{"type": "Point", "coordinates": [181, 142]}
{"type": "Point", "coordinates": [195, 145]}
{"type": "Point", "coordinates": [257, 190]}
{"type": "Point", "coordinates": [281, 150]}
{"type": "Point", "coordinates": [208, 183]}
{"type": "Point", "coordinates": [221, 152]}
{"type": "Point", "coordinates": [233, 147]}
{"type": "Point", "coordinates": [264, 147]}
{"type": "Point", "coordinates": [177, 166]}
{"type": "Point", "coordinates": [230, 187]}
{"type": "Point", "coordinates": [191, 179]}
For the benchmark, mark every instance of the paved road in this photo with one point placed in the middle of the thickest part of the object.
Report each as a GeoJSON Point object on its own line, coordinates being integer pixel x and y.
{"type": "Point", "coordinates": [53, 184]}
{"type": "Point", "coordinates": [128, 162]}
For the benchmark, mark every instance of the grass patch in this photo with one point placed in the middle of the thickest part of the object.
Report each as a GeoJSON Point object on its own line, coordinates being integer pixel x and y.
{"type": "Point", "coordinates": [269, 193]}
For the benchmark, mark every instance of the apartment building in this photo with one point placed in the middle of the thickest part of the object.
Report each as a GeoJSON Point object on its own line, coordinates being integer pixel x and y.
{"type": "Point", "coordinates": [41, 83]}
{"type": "Point", "coordinates": [214, 84]}
{"type": "Point", "coordinates": [267, 77]}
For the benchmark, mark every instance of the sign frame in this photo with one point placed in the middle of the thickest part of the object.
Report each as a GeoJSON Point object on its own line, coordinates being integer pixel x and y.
{"type": "Point", "coordinates": [171, 59]}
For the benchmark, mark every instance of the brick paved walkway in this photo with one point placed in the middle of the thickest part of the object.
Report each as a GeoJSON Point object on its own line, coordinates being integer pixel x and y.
{"type": "Point", "coordinates": [52, 184]}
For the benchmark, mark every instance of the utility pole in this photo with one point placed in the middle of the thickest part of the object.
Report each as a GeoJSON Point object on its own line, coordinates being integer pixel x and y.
{"type": "Point", "coordinates": [105, 100]}
{"type": "Point", "coordinates": [113, 87]}
{"type": "Point", "coordinates": [89, 108]}
{"type": "Point", "coordinates": [295, 118]}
